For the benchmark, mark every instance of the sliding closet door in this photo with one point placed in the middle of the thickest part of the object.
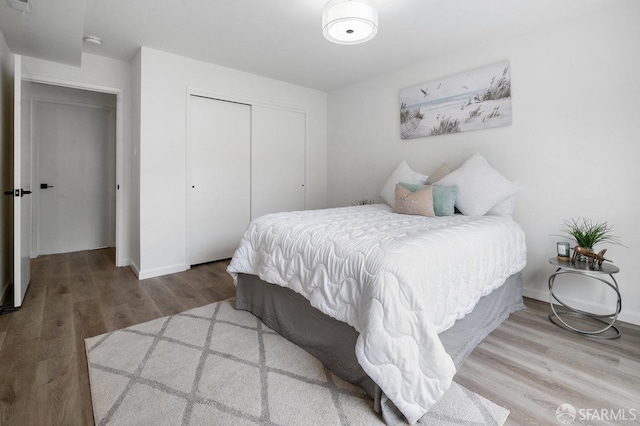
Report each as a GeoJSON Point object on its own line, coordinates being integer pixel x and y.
{"type": "Point", "coordinates": [219, 177]}
{"type": "Point", "coordinates": [278, 160]}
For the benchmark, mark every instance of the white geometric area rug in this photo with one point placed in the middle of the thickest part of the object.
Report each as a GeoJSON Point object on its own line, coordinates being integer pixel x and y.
{"type": "Point", "coordinates": [214, 365]}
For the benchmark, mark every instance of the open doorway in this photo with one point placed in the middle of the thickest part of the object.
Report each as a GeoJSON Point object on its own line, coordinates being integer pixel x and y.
{"type": "Point", "coordinates": [72, 133]}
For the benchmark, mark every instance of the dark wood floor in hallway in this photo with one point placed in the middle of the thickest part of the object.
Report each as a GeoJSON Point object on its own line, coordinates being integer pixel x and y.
{"type": "Point", "coordinates": [527, 365]}
{"type": "Point", "coordinates": [43, 370]}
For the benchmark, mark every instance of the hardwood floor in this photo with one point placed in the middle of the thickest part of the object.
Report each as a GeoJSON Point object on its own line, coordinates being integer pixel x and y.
{"type": "Point", "coordinates": [527, 365]}
{"type": "Point", "coordinates": [531, 366]}
{"type": "Point", "coordinates": [43, 367]}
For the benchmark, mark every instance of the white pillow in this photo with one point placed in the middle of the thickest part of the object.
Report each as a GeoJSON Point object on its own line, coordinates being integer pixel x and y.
{"type": "Point", "coordinates": [503, 208]}
{"type": "Point", "coordinates": [480, 186]}
{"type": "Point", "coordinates": [402, 173]}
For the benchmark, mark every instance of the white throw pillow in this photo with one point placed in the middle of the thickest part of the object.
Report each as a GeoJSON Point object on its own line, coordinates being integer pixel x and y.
{"type": "Point", "coordinates": [480, 186]}
{"type": "Point", "coordinates": [503, 208]}
{"type": "Point", "coordinates": [402, 173]}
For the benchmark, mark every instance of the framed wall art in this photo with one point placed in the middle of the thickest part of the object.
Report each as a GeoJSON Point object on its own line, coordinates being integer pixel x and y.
{"type": "Point", "coordinates": [479, 99]}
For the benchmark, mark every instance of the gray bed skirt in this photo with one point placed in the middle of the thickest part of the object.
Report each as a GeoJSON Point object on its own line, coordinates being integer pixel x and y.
{"type": "Point", "coordinates": [333, 342]}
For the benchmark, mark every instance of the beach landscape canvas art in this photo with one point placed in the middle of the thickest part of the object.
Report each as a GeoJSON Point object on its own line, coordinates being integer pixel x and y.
{"type": "Point", "coordinates": [479, 99]}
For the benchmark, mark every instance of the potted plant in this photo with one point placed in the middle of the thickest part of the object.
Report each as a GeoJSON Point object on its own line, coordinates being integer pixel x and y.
{"type": "Point", "coordinates": [588, 234]}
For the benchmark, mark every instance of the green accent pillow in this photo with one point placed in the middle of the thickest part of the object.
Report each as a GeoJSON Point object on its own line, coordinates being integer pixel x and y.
{"type": "Point", "coordinates": [413, 187]}
{"type": "Point", "coordinates": [444, 197]}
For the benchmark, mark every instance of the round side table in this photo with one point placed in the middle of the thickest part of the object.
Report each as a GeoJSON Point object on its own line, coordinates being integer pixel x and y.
{"type": "Point", "coordinates": [604, 274]}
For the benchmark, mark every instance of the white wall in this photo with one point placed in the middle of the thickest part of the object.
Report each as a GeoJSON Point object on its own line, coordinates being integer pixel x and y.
{"type": "Point", "coordinates": [573, 144]}
{"type": "Point", "coordinates": [97, 71]}
{"type": "Point", "coordinates": [6, 164]}
{"type": "Point", "coordinates": [164, 82]}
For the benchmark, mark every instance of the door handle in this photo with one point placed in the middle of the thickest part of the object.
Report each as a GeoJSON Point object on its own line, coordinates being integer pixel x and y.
{"type": "Point", "coordinates": [45, 186]}
{"type": "Point", "coordinates": [17, 192]}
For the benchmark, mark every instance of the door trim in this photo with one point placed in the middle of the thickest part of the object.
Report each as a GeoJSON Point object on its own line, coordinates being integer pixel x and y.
{"type": "Point", "coordinates": [120, 201]}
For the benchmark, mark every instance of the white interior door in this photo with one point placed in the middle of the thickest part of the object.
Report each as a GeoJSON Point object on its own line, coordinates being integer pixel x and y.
{"type": "Point", "coordinates": [75, 164]}
{"type": "Point", "coordinates": [22, 197]}
{"type": "Point", "coordinates": [277, 160]}
{"type": "Point", "coordinates": [219, 177]}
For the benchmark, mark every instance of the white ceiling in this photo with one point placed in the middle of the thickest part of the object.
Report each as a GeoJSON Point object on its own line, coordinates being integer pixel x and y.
{"type": "Point", "coordinates": [53, 30]}
{"type": "Point", "coordinates": [281, 39]}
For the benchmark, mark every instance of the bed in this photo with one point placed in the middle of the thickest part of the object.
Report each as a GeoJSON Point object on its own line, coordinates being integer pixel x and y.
{"type": "Point", "coordinates": [393, 303]}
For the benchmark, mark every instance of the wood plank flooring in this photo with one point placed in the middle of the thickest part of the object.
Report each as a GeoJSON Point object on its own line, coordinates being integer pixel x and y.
{"type": "Point", "coordinates": [527, 365]}
{"type": "Point", "coordinates": [531, 366]}
{"type": "Point", "coordinates": [43, 367]}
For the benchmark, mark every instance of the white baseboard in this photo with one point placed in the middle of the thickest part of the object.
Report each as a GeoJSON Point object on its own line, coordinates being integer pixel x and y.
{"type": "Point", "coordinates": [134, 268]}
{"type": "Point", "coordinates": [123, 263]}
{"type": "Point", "coordinates": [152, 273]}
{"type": "Point", "coordinates": [585, 305]}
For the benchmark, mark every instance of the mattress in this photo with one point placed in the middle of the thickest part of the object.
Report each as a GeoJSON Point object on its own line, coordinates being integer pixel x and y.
{"type": "Point", "coordinates": [398, 280]}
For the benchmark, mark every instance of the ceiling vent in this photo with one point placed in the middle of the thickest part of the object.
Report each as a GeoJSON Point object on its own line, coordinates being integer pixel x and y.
{"type": "Point", "coordinates": [23, 6]}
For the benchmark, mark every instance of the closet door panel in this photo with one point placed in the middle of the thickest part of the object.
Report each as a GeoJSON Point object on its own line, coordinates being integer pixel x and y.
{"type": "Point", "coordinates": [277, 160]}
{"type": "Point", "coordinates": [219, 182]}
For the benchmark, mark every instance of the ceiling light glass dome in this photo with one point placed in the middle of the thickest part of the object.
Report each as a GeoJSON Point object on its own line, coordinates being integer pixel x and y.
{"type": "Point", "coordinates": [349, 21]}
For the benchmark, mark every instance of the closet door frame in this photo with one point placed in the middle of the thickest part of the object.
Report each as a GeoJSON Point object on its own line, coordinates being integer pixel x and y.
{"type": "Point", "coordinates": [194, 91]}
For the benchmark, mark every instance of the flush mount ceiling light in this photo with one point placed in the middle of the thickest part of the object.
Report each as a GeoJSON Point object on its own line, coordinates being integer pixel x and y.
{"type": "Point", "coordinates": [93, 40]}
{"type": "Point", "coordinates": [349, 21]}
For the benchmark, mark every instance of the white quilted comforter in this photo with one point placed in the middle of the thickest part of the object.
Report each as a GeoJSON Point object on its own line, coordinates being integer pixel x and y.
{"type": "Point", "coordinates": [399, 280]}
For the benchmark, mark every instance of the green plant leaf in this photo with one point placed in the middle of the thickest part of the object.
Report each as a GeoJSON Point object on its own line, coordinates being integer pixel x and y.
{"type": "Point", "coordinates": [587, 233]}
